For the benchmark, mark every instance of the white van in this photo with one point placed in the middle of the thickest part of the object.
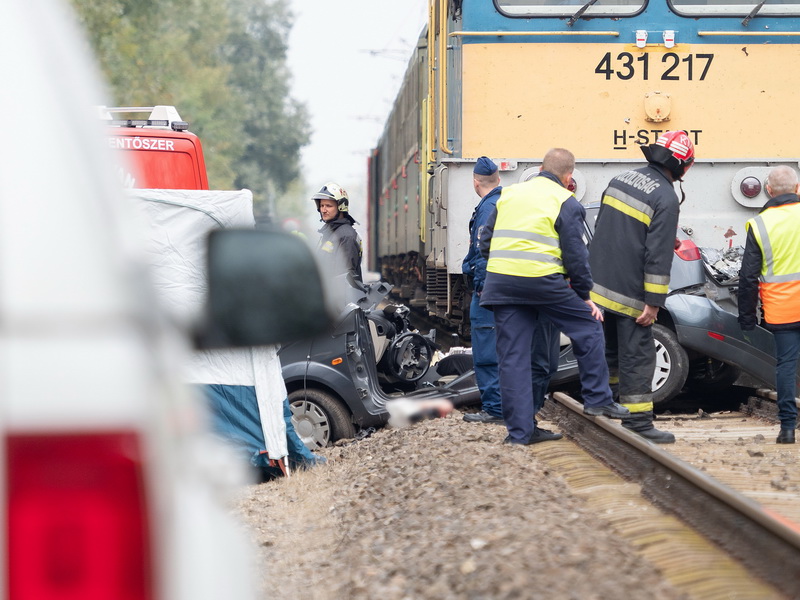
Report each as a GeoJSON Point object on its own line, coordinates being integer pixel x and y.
{"type": "Point", "coordinates": [111, 487]}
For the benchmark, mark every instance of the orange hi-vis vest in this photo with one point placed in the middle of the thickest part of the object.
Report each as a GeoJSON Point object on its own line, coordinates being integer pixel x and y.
{"type": "Point", "coordinates": [777, 231]}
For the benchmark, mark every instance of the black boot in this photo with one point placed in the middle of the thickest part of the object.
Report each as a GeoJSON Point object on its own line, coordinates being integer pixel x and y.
{"type": "Point", "coordinates": [786, 436]}
{"type": "Point", "coordinates": [642, 423]}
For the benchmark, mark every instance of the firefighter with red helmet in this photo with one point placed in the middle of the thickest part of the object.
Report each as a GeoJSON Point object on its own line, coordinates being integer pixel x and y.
{"type": "Point", "coordinates": [631, 256]}
{"type": "Point", "coordinates": [339, 246]}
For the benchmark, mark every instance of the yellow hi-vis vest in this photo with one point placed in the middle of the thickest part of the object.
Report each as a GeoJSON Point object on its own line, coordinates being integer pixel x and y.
{"type": "Point", "coordinates": [525, 242]}
{"type": "Point", "coordinates": [777, 231]}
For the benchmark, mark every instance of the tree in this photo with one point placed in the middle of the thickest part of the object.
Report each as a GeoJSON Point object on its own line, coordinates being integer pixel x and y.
{"type": "Point", "coordinates": [223, 65]}
{"type": "Point", "coordinates": [277, 126]}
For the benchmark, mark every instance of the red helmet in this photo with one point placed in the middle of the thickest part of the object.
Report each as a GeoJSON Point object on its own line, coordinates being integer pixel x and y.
{"type": "Point", "coordinates": [673, 149]}
{"type": "Point", "coordinates": [679, 144]}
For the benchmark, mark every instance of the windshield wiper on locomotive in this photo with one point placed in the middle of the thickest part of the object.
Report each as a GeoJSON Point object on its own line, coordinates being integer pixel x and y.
{"type": "Point", "coordinates": [753, 12]}
{"type": "Point", "coordinates": [583, 9]}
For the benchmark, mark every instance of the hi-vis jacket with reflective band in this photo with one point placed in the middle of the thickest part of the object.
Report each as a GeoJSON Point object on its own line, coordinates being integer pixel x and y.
{"type": "Point", "coordinates": [525, 242]}
{"type": "Point", "coordinates": [632, 249]}
{"type": "Point", "coordinates": [777, 232]}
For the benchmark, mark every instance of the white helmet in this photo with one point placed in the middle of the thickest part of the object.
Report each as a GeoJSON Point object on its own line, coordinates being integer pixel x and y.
{"type": "Point", "coordinates": [333, 191]}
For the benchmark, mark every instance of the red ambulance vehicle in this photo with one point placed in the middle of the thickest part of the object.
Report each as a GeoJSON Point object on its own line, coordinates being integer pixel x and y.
{"type": "Point", "coordinates": [157, 149]}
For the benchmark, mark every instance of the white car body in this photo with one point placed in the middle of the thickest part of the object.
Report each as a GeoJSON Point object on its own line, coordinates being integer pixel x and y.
{"type": "Point", "coordinates": [88, 365]}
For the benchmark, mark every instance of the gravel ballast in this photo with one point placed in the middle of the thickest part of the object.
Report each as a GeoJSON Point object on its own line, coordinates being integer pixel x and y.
{"type": "Point", "coordinates": [440, 509]}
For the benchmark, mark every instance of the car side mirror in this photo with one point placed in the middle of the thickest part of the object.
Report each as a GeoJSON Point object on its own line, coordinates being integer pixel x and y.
{"type": "Point", "coordinates": [264, 288]}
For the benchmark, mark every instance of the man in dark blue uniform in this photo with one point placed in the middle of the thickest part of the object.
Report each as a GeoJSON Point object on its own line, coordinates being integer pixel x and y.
{"type": "Point", "coordinates": [486, 182]}
{"type": "Point", "coordinates": [544, 351]}
{"type": "Point", "coordinates": [534, 242]}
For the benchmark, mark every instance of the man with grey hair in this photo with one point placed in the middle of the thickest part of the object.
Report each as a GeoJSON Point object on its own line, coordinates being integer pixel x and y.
{"type": "Point", "coordinates": [771, 271]}
{"type": "Point", "coordinates": [534, 242]}
{"type": "Point", "coordinates": [781, 180]}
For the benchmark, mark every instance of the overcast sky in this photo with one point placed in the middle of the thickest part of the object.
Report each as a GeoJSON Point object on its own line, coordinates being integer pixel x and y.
{"type": "Point", "coordinates": [348, 58]}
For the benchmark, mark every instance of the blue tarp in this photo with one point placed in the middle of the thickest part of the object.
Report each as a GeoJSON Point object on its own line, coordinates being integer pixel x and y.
{"type": "Point", "coordinates": [236, 418]}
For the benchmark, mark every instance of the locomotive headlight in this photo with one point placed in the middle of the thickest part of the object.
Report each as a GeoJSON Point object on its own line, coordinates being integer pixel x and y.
{"type": "Point", "coordinates": [750, 187]}
{"type": "Point", "coordinates": [747, 185]}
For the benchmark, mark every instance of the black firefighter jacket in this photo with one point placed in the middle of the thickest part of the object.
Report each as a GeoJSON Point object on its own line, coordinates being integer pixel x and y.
{"type": "Point", "coordinates": [340, 248]}
{"type": "Point", "coordinates": [632, 249]}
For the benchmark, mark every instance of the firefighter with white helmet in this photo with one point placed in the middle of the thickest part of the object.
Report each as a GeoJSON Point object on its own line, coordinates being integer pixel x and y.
{"type": "Point", "coordinates": [631, 257]}
{"type": "Point", "coordinates": [339, 246]}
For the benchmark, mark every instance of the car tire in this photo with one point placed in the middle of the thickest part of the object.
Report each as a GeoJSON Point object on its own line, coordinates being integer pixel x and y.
{"type": "Point", "coordinates": [319, 418]}
{"type": "Point", "coordinates": [711, 376]}
{"type": "Point", "coordinates": [672, 366]}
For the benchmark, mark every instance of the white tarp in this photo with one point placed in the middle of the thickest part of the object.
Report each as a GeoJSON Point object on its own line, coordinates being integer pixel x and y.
{"type": "Point", "coordinates": [178, 222]}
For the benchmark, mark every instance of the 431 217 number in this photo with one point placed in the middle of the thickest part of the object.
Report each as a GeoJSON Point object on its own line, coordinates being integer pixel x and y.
{"type": "Point", "coordinates": [673, 67]}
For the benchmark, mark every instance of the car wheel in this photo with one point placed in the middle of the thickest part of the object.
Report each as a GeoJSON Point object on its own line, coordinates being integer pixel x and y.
{"type": "Point", "coordinates": [672, 365]}
{"type": "Point", "coordinates": [710, 376]}
{"type": "Point", "coordinates": [319, 418]}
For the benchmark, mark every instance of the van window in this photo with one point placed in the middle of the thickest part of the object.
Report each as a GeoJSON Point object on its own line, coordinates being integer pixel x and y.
{"type": "Point", "coordinates": [161, 170]}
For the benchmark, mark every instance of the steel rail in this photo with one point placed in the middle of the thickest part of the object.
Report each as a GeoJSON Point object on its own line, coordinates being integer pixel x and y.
{"type": "Point", "coordinates": [767, 545]}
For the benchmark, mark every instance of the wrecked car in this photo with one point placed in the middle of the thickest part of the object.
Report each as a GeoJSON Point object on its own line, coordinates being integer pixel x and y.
{"type": "Point", "coordinates": [340, 383]}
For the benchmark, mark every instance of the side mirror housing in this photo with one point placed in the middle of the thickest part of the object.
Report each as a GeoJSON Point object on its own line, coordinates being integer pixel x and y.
{"type": "Point", "coordinates": [264, 288]}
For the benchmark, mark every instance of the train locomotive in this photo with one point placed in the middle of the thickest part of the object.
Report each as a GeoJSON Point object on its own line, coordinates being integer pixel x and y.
{"type": "Point", "coordinates": [510, 79]}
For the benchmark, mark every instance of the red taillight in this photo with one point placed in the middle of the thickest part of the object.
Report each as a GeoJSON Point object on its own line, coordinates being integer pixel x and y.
{"type": "Point", "coordinates": [688, 250]}
{"type": "Point", "coordinates": [77, 518]}
{"type": "Point", "coordinates": [716, 336]}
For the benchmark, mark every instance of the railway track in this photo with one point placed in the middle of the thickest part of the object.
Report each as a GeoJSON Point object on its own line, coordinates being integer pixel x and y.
{"type": "Point", "coordinates": [725, 477]}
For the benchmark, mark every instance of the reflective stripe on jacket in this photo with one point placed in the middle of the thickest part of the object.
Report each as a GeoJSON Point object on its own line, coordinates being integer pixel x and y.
{"type": "Point", "coordinates": [525, 242]}
{"type": "Point", "coordinates": [777, 232]}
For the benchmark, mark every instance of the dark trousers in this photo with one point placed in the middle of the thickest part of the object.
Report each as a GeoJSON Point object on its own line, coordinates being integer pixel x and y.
{"type": "Point", "coordinates": [631, 357]}
{"type": "Point", "coordinates": [787, 350]}
{"type": "Point", "coordinates": [544, 359]}
{"type": "Point", "coordinates": [516, 326]}
{"type": "Point", "coordinates": [484, 356]}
